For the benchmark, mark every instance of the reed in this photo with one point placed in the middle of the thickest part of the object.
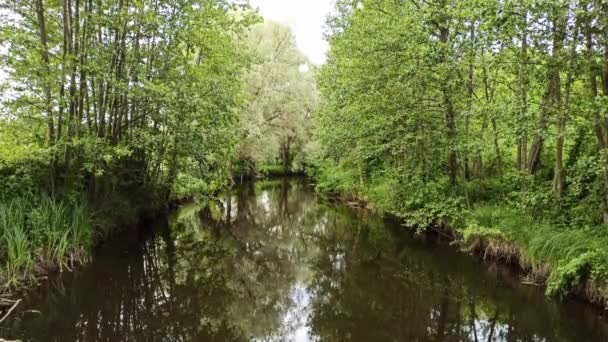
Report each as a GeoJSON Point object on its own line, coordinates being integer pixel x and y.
{"type": "Point", "coordinates": [42, 233]}
{"type": "Point", "coordinates": [16, 249]}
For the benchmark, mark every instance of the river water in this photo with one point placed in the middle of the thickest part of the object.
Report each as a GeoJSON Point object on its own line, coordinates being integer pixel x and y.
{"type": "Point", "coordinates": [274, 262]}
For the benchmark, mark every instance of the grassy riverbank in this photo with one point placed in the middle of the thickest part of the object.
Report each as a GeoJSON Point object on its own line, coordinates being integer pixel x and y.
{"type": "Point", "coordinates": [568, 260]}
{"type": "Point", "coordinates": [428, 113]}
{"type": "Point", "coordinates": [43, 234]}
{"type": "Point", "coordinates": [96, 131]}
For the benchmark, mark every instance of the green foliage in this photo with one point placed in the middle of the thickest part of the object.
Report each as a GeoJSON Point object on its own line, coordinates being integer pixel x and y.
{"type": "Point", "coordinates": [335, 179]}
{"type": "Point", "coordinates": [268, 169]}
{"type": "Point", "coordinates": [429, 109]}
{"type": "Point", "coordinates": [568, 257]}
{"type": "Point", "coordinates": [569, 274]}
{"type": "Point", "coordinates": [22, 168]}
{"type": "Point", "coordinates": [429, 205]}
{"type": "Point", "coordinates": [473, 232]}
{"type": "Point", "coordinates": [281, 97]}
{"type": "Point", "coordinates": [487, 190]}
{"type": "Point", "coordinates": [42, 230]}
{"type": "Point", "coordinates": [16, 251]}
{"type": "Point", "coordinates": [126, 104]}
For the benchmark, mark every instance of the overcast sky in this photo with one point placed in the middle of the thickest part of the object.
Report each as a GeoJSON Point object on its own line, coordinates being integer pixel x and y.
{"type": "Point", "coordinates": [306, 18]}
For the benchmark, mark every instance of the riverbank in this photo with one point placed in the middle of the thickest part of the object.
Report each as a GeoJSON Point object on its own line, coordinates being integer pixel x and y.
{"type": "Point", "coordinates": [565, 261]}
{"type": "Point", "coordinates": [43, 235]}
{"type": "Point", "coordinates": [285, 258]}
{"type": "Point", "coordinates": [245, 172]}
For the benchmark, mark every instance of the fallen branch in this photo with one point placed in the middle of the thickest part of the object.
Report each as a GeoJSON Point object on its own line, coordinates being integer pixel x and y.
{"type": "Point", "coordinates": [531, 283]}
{"type": "Point", "coordinates": [14, 305]}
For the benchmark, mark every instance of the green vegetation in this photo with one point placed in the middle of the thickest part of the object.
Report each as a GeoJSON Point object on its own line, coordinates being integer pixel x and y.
{"type": "Point", "coordinates": [116, 108]}
{"type": "Point", "coordinates": [484, 118]}
{"type": "Point", "coordinates": [42, 232]}
{"type": "Point", "coordinates": [276, 124]}
{"type": "Point", "coordinates": [111, 107]}
{"type": "Point", "coordinates": [566, 256]}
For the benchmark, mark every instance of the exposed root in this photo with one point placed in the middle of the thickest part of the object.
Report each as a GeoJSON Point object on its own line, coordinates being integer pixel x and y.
{"type": "Point", "coordinates": [495, 249]}
{"type": "Point", "coordinates": [594, 293]}
{"type": "Point", "coordinates": [499, 249]}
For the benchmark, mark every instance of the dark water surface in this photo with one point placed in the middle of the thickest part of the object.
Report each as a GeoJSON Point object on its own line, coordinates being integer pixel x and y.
{"type": "Point", "coordinates": [285, 265]}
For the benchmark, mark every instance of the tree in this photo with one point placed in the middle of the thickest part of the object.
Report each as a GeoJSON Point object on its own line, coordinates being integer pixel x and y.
{"type": "Point", "coordinates": [282, 98]}
{"type": "Point", "coordinates": [418, 96]}
{"type": "Point", "coordinates": [133, 93]}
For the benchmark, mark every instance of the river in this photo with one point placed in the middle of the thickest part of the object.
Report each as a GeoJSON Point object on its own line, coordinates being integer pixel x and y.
{"type": "Point", "coordinates": [275, 262]}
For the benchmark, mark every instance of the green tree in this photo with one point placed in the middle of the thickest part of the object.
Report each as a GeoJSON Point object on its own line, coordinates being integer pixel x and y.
{"type": "Point", "coordinates": [282, 98]}
{"type": "Point", "coordinates": [426, 100]}
{"type": "Point", "coordinates": [136, 93]}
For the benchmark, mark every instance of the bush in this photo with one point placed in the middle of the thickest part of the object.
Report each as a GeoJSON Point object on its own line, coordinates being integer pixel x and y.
{"type": "Point", "coordinates": [427, 204]}
{"type": "Point", "coordinates": [336, 179]}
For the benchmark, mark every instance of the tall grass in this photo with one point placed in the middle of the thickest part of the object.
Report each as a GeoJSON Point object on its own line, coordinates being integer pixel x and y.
{"type": "Point", "coordinates": [42, 233]}
{"type": "Point", "coordinates": [569, 258]}
{"type": "Point", "coordinates": [16, 254]}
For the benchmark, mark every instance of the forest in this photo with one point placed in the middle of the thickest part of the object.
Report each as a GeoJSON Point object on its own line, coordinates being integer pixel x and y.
{"type": "Point", "coordinates": [113, 109]}
{"type": "Point", "coordinates": [482, 121]}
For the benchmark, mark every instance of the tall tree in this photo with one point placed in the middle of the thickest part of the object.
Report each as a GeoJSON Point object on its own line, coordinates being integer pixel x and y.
{"type": "Point", "coordinates": [282, 98]}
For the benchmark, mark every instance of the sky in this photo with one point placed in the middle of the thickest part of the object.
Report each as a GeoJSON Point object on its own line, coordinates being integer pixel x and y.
{"type": "Point", "coordinates": [306, 18]}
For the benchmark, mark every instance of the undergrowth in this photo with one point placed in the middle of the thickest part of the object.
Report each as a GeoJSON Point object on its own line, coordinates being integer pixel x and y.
{"type": "Point", "coordinates": [547, 238]}
{"type": "Point", "coordinates": [40, 233]}
{"type": "Point", "coordinates": [568, 259]}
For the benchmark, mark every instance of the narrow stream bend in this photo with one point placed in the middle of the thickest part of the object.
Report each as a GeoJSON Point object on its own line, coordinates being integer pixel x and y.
{"type": "Point", "coordinates": [284, 265]}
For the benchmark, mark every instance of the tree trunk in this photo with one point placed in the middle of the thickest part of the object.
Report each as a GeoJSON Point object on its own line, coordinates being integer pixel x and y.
{"type": "Point", "coordinates": [467, 172]}
{"type": "Point", "coordinates": [604, 11]}
{"type": "Point", "coordinates": [559, 178]}
{"type": "Point", "coordinates": [489, 94]}
{"type": "Point", "coordinates": [522, 148]}
{"type": "Point", "coordinates": [605, 149]}
{"type": "Point", "coordinates": [552, 97]}
{"type": "Point", "coordinates": [450, 115]}
{"type": "Point", "coordinates": [48, 106]}
{"type": "Point", "coordinates": [71, 31]}
{"type": "Point", "coordinates": [499, 164]}
{"type": "Point", "coordinates": [286, 155]}
{"type": "Point", "coordinates": [600, 131]}
{"type": "Point", "coordinates": [173, 163]}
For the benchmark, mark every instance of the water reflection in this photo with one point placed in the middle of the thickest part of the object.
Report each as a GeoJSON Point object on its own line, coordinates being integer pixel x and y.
{"type": "Point", "coordinates": [272, 262]}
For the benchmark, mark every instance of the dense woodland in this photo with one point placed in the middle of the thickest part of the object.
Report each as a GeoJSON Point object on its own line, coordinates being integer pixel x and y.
{"type": "Point", "coordinates": [113, 108]}
{"type": "Point", "coordinates": [486, 121]}
{"type": "Point", "coordinates": [130, 93]}
{"type": "Point", "coordinates": [485, 118]}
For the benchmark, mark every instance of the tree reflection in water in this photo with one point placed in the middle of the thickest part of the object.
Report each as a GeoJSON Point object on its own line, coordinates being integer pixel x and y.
{"type": "Point", "coordinates": [272, 262]}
